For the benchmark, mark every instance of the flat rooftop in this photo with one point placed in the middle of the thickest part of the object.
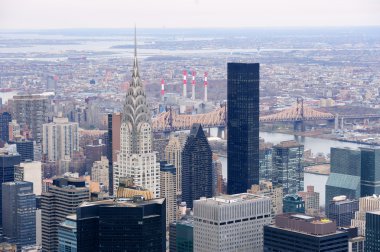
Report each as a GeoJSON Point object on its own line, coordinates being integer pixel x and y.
{"type": "Point", "coordinates": [230, 199]}
{"type": "Point", "coordinates": [122, 202]}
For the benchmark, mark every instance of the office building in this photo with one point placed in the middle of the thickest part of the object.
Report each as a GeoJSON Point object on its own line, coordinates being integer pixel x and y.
{"type": "Point", "coordinates": [217, 176]}
{"type": "Point", "coordinates": [342, 210]}
{"type": "Point", "coordinates": [160, 141]}
{"type": "Point", "coordinates": [181, 235]}
{"type": "Point", "coordinates": [137, 225]}
{"type": "Point", "coordinates": [303, 233]}
{"type": "Point", "coordinates": [168, 190]}
{"type": "Point", "coordinates": [311, 199]}
{"type": "Point", "coordinates": [265, 161]}
{"type": "Point", "coordinates": [137, 158]}
{"type": "Point", "coordinates": [231, 222]}
{"type": "Point", "coordinates": [113, 144]}
{"type": "Point", "coordinates": [67, 234]}
{"type": "Point", "coordinates": [196, 166]}
{"type": "Point", "coordinates": [173, 155]}
{"type": "Point", "coordinates": [356, 244]}
{"type": "Point", "coordinates": [293, 203]}
{"type": "Point", "coordinates": [5, 119]}
{"type": "Point", "coordinates": [60, 139]}
{"type": "Point", "coordinates": [19, 213]}
{"type": "Point", "coordinates": [344, 178]}
{"type": "Point", "coordinates": [8, 247]}
{"type": "Point", "coordinates": [8, 160]}
{"type": "Point", "coordinates": [370, 171]}
{"type": "Point", "coordinates": [243, 81]}
{"type": "Point", "coordinates": [30, 171]}
{"type": "Point", "coordinates": [94, 152]}
{"type": "Point", "coordinates": [14, 130]}
{"type": "Point", "coordinates": [275, 193]}
{"type": "Point", "coordinates": [62, 199]}
{"type": "Point", "coordinates": [366, 204]}
{"type": "Point", "coordinates": [32, 111]}
{"type": "Point", "coordinates": [288, 166]}
{"type": "Point", "coordinates": [100, 173]}
{"type": "Point", "coordinates": [372, 231]}
{"type": "Point", "coordinates": [25, 148]}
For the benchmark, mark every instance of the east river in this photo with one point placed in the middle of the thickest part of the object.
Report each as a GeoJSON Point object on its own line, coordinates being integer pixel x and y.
{"type": "Point", "coordinates": [316, 145]}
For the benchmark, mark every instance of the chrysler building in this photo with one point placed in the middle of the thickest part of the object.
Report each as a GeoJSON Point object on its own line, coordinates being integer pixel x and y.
{"type": "Point", "coordinates": [136, 158]}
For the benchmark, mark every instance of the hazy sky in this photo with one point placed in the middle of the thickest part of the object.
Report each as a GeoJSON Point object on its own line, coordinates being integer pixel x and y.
{"type": "Point", "coordinates": [52, 14]}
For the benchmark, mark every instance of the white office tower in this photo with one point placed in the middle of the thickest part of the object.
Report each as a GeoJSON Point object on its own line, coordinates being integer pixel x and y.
{"type": "Point", "coordinates": [136, 158]}
{"type": "Point", "coordinates": [60, 139]}
{"type": "Point", "coordinates": [231, 222]}
{"type": "Point", "coordinates": [366, 204]}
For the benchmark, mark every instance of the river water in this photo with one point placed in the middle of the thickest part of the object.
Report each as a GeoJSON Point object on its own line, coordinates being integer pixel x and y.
{"type": "Point", "coordinates": [316, 145]}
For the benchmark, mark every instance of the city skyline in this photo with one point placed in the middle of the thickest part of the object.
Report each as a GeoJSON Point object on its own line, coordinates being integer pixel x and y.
{"type": "Point", "coordinates": [185, 14]}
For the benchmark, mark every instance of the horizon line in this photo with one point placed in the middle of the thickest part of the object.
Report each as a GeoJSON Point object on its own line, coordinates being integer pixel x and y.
{"type": "Point", "coordinates": [191, 28]}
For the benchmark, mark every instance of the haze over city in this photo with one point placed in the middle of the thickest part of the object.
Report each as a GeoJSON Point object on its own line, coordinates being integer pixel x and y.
{"type": "Point", "coordinates": [58, 14]}
{"type": "Point", "coordinates": [189, 125]}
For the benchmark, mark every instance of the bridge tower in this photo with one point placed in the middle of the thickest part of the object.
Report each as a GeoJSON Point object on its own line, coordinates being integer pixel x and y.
{"type": "Point", "coordinates": [299, 123]}
{"type": "Point", "coordinates": [222, 129]}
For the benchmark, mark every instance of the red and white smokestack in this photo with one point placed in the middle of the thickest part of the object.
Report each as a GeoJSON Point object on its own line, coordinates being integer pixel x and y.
{"type": "Point", "coordinates": [162, 87]}
{"type": "Point", "coordinates": [184, 83]}
{"type": "Point", "coordinates": [205, 84]}
{"type": "Point", "coordinates": [193, 86]}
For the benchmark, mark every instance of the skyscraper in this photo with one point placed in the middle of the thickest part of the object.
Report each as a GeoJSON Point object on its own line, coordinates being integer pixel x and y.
{"type": "Point", "coordinates": [32, 111]}
{"type": "Point", "coordinates": [342, 210]}
{"type": "Point", "coordinates": [311, 199]}
{"type": "Point", "coordinates": [168, 190]}
{"type": "Point", "coordinates": [129, 224]}
{"type": "Point", "coordinates": [370, 171]}
{"type": "Point", "coordinates": [303, 233]}
{"type": "Point", "coordinates": [288, 166]}
{"type": "Point", "coordinates": [137, 158]}
{"type": "Point", "coordinates": [61, 139]}
{"type": "Point", "coordinates": [19, 213]}
{"type": "Point", "coordinates": [113, 144]}
{"type": "Point", "coordinates": [344, 178]}
{"type": "Point", "coordinates": [8, 160]}
{"type": "Point", "coordinates": [30, 171]}
{"type": "Point", "coordinates": [67, 234]}
{"type": "Point", "coordinates": [231, 222]}
{"type": "Point", "coordinates": [62, 199]}
{"type": "Point", "coordinates": [243, 126]}
{"type": "Point", "coordinates": [5, 119]}
{"type": "Point", "coordinates": [372, 231]}
{"type": "Point", "coordinates": [275, 193]}
{"type": "Point", "coordinates": [366, 204]}
{"type": "Point", "coordinates": [173, 155]}
{"type": "Point", "coordinates": [196, 166]}
{"type": "Point", "coordinates": [25, 148]}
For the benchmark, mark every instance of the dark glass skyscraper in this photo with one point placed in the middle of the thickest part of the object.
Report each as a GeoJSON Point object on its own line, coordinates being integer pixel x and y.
{"type": "Point", "coordinates": [5, 119]}
{"type": "Point", "coordinates": [370, 171]}
{"type": "Point", "coordinates": [122, 225]}
{"type": "Point", "coordinates": [19, 213]}
{"type": "Point", "coordinates": [25, 148]}
{"type": "Point", "coordinates": [303, 233]}
{"type": "Point", "coordinates": [344, 178]}
{"type": "Point", "coordinates": [7, 171]}
{"type": "Point", "coordinates": [196, 166]}
{"type": "Point", "coordinates": [243, 126]}
{"type": "Point", "coordinates": [372, 232]}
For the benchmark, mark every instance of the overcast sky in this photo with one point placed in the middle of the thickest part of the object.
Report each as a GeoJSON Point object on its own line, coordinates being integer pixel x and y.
{"type": "Point", "coordinates": [54, 14]}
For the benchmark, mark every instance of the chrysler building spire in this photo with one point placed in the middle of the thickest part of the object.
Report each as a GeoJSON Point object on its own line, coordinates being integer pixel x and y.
{"type": "Point", "coordinates": [137, 158]}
